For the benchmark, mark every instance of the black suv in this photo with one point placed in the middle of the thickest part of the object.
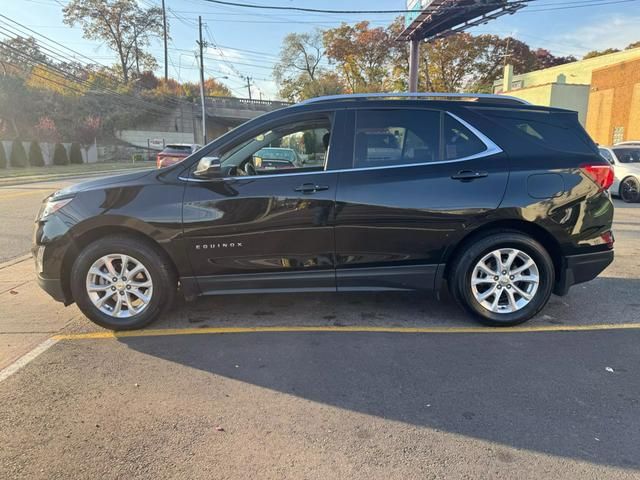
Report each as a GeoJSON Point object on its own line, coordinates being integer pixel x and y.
{"type": "Point", "coordinates": [504, 201]}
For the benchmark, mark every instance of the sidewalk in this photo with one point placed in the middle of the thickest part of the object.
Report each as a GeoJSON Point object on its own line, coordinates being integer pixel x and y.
{"type": "Point", "coordinates": [27, 315]}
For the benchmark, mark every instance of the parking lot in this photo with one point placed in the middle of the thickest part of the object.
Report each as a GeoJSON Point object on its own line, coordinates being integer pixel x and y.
{"type": "Point", "coordinates": [327, 386]}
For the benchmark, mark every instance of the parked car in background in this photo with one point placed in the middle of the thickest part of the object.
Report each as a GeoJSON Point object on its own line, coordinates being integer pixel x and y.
{"type": "Point", "coordinates": [625, 158]}
{"type": "Point", "coordinates": [501, 201]}
{"type": "Point", "coordinates": [174, 153]}
{"type": "Point", "coordinates": [276, 158]}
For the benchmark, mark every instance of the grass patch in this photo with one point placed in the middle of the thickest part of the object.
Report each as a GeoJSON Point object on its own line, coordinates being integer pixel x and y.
{"type": "Point", "coordinates": [71, 169]}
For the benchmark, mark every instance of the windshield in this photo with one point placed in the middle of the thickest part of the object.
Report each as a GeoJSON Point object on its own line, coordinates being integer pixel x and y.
{"type": "Point", "coordinates": [628, 154]}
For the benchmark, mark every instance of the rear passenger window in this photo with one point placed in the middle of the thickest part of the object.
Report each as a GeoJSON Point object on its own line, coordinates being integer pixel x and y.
{"type": "Point", "coordinates": [556, 130]}
{"type": "Point", "coordinates": [459, 142]}
{"type": "Point", "coordinates": [396, 137]}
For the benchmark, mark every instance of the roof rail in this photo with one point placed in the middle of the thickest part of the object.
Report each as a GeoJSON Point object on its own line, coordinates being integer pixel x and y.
{"type": "Point", "coordinates": [433, 95]}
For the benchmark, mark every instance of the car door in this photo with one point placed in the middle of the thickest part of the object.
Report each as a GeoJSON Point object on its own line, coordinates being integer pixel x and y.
{"type": "Point", "coordinates": [419, 178]}
{"type": "Point", "coordinates": [271, 230]}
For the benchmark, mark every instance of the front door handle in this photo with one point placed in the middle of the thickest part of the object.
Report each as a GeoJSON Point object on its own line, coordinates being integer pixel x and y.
{"type": "Point", "coordinates": [311, 188]}
{"type": "Point", "coordinates": [469, 175]}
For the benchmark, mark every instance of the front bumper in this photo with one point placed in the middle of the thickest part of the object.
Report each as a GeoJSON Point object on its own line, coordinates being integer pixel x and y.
{"type": "Point", "coordinates": [53, 286]}
{"type": "Point", "coordinates": [581, 268]}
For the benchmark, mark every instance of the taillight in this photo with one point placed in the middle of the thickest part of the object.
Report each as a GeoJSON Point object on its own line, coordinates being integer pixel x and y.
{"type": "Point", "coordinates": [601, 174]}
{"type": "Point", "coordinates": [158, 161]}
{"type": "Point", "coordinates": [607, 238]}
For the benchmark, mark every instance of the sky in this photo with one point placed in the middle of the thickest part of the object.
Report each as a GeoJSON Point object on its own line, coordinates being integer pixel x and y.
{"type": "Point", "coordinates": [245, 42]}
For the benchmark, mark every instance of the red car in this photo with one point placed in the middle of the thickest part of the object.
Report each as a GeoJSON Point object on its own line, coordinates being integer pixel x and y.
{"type": "Point", "coordinates": [174, 153]}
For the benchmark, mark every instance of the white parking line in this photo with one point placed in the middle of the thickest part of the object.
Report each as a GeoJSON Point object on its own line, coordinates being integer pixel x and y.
{"type": "Point", "coordinates": [26, 358]}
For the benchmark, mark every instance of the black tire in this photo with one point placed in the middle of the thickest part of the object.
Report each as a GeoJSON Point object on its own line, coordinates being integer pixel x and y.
{"type": "Point", "coordinates": [159, 267]}
{"type": "Point", "coordinates": [461, 272]}
{"type": "Point", "coordinates": [630, 190]}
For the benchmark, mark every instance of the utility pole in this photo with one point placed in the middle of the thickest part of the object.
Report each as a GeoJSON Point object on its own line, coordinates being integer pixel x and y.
{"type": "Point", "coordinates": [414, 64]}
{"type": "Point", "coordinates": [164, 26]}
{"type": "Point", "coordinates": [249, 86]}
{"type": "Point", "coordinates": [204, 110]}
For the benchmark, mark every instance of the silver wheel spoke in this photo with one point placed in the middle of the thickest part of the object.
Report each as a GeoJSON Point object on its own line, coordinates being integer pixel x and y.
{"type": "Point", "coordinates": [512, 256]}
{"type": "Point", "coordinates": [522, 293]}
{"type": "Point", "coordinates": [123, 269]}
{"type": "Point", "coordinates": [482, 297]}
{"type": "Point", "coordinates": [512, 301]}
{"type": "Point", "coordinates": [118, 306]}
{"type": "Point", "coordinates": [140, 295]}
{"type": "Point", "coordinates": [101, 274]}
{"type": "Point", "coordinates": [496, 300]}
{"type": "Point", "coordinates": [523, 267]}
{"type": "Point", "coordinates": [98, 288]}
{"type": "Point", "coordinates": [102, 300]}
{"type": "Point", "coordinates": [478, 281]}
{"type": "Point", "coordinates": [482, 266]}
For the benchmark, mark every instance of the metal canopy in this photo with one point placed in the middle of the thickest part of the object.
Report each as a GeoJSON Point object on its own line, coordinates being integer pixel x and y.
{"type": "Point", "coordinates": [440, 18]}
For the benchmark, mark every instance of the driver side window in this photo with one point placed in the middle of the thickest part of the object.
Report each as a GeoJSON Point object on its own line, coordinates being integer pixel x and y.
{"type": "Point", "coordinates": [288, 148]}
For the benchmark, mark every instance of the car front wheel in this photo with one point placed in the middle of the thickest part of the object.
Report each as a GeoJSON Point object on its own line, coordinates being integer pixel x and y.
{"type": "Point", "coordinates": [503, 279]}
{"type": "Point", "coordinates": [121, 283]}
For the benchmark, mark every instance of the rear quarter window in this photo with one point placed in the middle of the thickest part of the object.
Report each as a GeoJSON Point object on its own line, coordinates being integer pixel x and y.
{"type": "Point", "coordinates": [555, 130]}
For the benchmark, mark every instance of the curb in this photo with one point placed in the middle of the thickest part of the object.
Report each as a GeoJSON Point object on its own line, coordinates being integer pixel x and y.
{"type": "Point", "coordinates": [15, 261]}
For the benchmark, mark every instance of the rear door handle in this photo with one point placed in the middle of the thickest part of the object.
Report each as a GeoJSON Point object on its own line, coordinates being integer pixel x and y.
{"type": "Point", "coordinates": [469, 175]}
{"type": "Point", "coordinates": [311, 188]}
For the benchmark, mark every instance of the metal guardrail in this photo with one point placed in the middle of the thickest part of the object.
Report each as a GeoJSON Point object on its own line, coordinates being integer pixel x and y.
{"type": "Point", "coordinates": [245, 103]}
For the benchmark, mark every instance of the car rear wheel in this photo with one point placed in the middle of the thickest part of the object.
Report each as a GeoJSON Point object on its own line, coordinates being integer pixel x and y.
{"type": "Point", "coordinates": [630, 190]}
{"type": "Point", "coordinates": [121, 283]}
{"type": "Point", "coordinates": [503, 279]}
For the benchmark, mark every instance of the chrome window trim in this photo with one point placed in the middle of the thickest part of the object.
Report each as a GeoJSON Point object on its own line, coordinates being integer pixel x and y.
{"type": "Point", "coordinates": [491, 149]}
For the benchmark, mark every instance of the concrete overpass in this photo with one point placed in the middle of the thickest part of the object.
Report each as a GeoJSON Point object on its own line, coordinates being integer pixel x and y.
{"type": "Point", "coordinates": [224, 113]}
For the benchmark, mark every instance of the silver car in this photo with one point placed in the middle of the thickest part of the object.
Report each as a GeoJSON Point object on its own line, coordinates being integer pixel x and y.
{"type": "Point", "coordinates": [625, 159]}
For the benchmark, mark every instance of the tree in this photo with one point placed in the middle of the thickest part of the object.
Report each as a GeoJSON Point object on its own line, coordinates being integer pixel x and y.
{"type": "Point", "coordinates": [361, 54]}
{"type": "Point", "coordinates": [60, 155]}
{"type": "Point", "coordinates": [123, 25]}
{"type": "Point", "coordinates": [546, 59]}
{"type": "Point", "coordinates": [18, 155]}
{"type": "Point", "coordinates": [3, 156]}
{"type": "Point", "coordinates": [35, 155]}
{"type": "Point", "coordinates": [300, 54]}
{"type": "Point", "coordinates": [87, 131]}
{"type": "Point", "coordinates": [47, 132]}
{"type": "Point", "coordinates": [19, 54]}
{"type": "Point", "coordinates": [633, 45]}
{"type": "Point", "coordinates": [599, 53]}
{"type": "Point", "coordinates": [75, 154]}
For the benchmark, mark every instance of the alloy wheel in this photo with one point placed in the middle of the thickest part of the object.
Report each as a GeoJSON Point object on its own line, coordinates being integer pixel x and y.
{"type": "Point", "coordinates": [119, 285]}
{"type": "Point", "coordinates": [505, 280]}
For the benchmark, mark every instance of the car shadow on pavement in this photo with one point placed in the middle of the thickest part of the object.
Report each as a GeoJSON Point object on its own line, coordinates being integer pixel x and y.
{"type": "Point", "coordinates": [571, 394]}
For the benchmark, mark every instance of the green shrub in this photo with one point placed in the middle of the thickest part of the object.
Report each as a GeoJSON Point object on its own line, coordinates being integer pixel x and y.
{"type": "Point", "coordinates": [75, 154]}
{"type": "Point", "coordinates": [60, 155]}
{"type": "Point", "coordinates": [18, 155]}
{"type": "Point", "coordinates": [3, 157]}
{"type": "Point", "coordinates": [35, 155]}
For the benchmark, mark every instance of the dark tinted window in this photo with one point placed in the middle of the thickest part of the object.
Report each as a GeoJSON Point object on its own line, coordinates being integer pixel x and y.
{"type": "Point", "coordinates": [396, 137]}
{"type": "Point", "coordinates": [459, 142]}
{"type": "Point", "coordinates": [628, 154]}
{"type": "Point", "coordinates": [180, 149]}
{"type": "Point", "coordinates": [555, 130]}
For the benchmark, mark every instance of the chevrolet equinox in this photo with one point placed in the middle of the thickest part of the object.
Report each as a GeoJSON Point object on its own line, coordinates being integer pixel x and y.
{"type": "Point", "coordinates": [503, 201]}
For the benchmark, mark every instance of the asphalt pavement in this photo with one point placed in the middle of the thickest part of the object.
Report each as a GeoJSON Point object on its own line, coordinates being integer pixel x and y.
{"type": "Point", "coordinates": [357, 386]}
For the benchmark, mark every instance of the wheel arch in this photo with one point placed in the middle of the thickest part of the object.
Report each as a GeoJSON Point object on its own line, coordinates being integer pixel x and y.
{"type": "Point", "coordinates": [535, 231]}
{"type": "Point", "coordinates": [86, 236]}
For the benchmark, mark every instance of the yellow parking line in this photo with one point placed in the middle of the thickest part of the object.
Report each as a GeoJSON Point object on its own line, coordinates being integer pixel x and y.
{"type": "Point", "coordinates": [354, 329]}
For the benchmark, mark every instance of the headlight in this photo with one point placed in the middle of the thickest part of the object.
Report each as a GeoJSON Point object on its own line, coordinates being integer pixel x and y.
{"type": "Point", "coordinates": [51, 206]}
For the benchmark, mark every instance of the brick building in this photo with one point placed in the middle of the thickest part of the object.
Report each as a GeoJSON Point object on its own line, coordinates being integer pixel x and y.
{"type": "Point", "coordinates": [614, 103]}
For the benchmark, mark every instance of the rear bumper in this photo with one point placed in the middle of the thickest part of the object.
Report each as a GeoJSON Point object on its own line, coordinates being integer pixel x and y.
{"type": "Point", "coordinates": [581, 268]}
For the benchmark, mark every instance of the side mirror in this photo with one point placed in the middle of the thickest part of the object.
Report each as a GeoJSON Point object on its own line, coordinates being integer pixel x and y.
{"type": "Point", "coordinates": [208, 167]}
